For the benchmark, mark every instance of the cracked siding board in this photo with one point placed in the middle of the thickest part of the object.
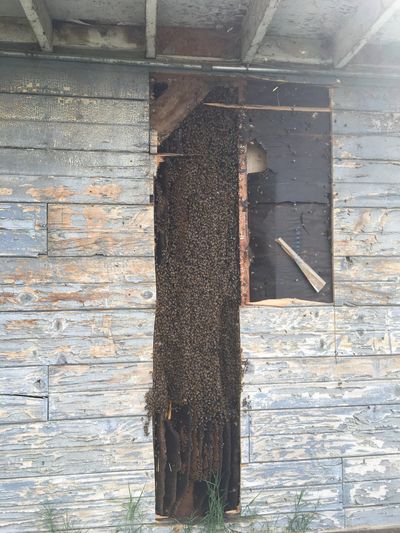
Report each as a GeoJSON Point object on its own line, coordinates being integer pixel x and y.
{"type": "Point", "coordinates": [55, 283]}
{"type": "Point", "coordinates": [76, 337]}
{"type": "Point", "coordinates": [81, 190]}
{"type": "Point", "coordinates": [50, 109]}
{"type": "Point", "coordinates": [85, 230]}
{"type": "Point", "coordinates": [23, 229]}
{"type": "Point", "coordinates": [67, 136]}
{"type": "Point", "coordinates": [78, 163]}
{"type": "Point", "coordinates": [22, 409]}
{"type": "Point", "coordinates": [37, 76]}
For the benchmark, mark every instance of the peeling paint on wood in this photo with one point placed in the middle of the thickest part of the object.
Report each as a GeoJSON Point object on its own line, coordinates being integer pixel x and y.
{"type": "Point", "coordinates": [23, 229]}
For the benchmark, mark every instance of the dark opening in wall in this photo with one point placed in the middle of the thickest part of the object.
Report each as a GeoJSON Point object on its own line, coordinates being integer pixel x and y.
{"type": "Point", "coordinates": [195, 399]}
{"type": "Point", "coordinates": [291, 199]}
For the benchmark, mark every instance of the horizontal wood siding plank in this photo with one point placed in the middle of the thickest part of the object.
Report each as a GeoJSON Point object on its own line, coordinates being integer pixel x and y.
{"type": "Point", "coordinates": [382, 99]}
{"type": "Point", "coordinates": [378, 147]}
{"type": "Point", "coordinates": [93, 378]}
{"type": "Point", "coordinates": [371, 492]}
{"type": "Point", "coordinates": [325, 420]}
{"type": "Point", "coordinates": [82, 190]}
{"type": "Point", "coordinates": [369, 269]}
{"type": "Point", "coordinates": [15, 161]}
{"type": "Point", "coordinates": [307, 344]}
{"type": "Point", "coordinates": [298, 370]}
{"type": "Point", "coordinates": [368, 318]}
{"type": "Point", "coordinates": [75, 230]}
{"type": "Point", "coordinates": [362, 342]}
{"type": "Point", "coordinates": [23, 229]}
{"type": "Point", "coordinates": [371, 468]}
{"type": "Point", "coordinates": [379, 515]}
{"type": "Point", "coordinates": [21, 409]}
{"type": "Point", "coordinates": [73, 109]}
{"type": "Point", "coordinates": [330, 394]}
{"type": "Point", "coordinates": [73, 283]}
{"type": "Point", "coordinates": [362, 122]}
{"type": "Point", "coordinates": [105, 403]}
{"type": "Point", "coordinates": [359, 194]}
{"type": "Point", "coordinates": [323, 445]}
{"type": "Point", "coordinates": [76, 337]}
{"type": "Point", "coordinates": [366, 292]}
{"type": "Point", "coordinates": [363, 171]}
{"type": "Point", "coordinates": [37, 76]}
{"type": "Point", "coordinates": [259, 319]}
{"type": "Point", "coordinates": [267, 475]}
{"type": "Point", "coordinates": [29, 381]}
{"type": "Point", "coordinates": [69, 136]}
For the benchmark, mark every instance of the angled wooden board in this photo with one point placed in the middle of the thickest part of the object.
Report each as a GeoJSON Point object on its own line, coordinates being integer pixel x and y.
{"type": "Point", "coordinates": [23, 229]}
{"type": "Point", "coordinates": [80, 190]}
{"type": "Point", "coordinates": [76, 337]}
{"type": "Point", "coordinates": [37, 76]}
{"type": "Point", "coordinates": [78, 163]}
{"type": "Point", "coordinates": [86, 230]}
{"type": "Point", "coordinates": [73, 109]}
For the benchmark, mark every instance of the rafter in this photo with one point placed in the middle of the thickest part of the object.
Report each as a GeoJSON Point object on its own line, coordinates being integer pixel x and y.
{"type": "Point", "coordinates": [151, 28]}
{"type": "Point", "coordinates": [368, 19]}
{"type": "Point", "coordinates": [38, 16]}
{"type": "Point", "coordinates": [255, 25]}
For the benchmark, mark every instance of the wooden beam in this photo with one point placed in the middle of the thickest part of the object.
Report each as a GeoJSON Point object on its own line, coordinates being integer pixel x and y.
{"type": "Point", "coordinates": [355, 33]}
{"type": "Point", "coordinates": [255, 25]}
{"type": "Point", "coordinates": [258, 107]}
{"type": "Point", "coordinates": [151, 28]}
{"type": "Point", "coordinates": [176, 102]}
{"type": "Point", "coordinates": [40, 21]}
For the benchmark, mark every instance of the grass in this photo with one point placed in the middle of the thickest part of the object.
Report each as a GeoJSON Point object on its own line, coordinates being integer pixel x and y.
{"type": "Point", "coordinates": [133, 517]}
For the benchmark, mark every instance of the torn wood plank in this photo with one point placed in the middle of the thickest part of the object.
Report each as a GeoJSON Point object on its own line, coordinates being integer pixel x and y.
{"type": "Point", "coordinates": [260, 107]}
{"type": "Point", "coordinates": [85, 230]}
{"type": "Point", "coordinates": [359, 28]}
{"type": "Point", "coordinates": [315, 280]}
{"type": "Point", "coordinates": [151, 28]}
{"type": "Point", "coordinates": [23, 229]}
{"type": "Point", "coordinates": [255, 25]}
{"type": "Point", "coordinates": [176, 102]}
{"type": "Point", "coordinates": [39, 18]}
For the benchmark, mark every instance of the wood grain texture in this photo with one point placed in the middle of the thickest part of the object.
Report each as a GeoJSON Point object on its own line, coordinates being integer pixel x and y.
{"type": "Point", "coordinates": [371, 468]}
{"type": "Point", "coordinates": [23, 229]}
{"type": "Point", "coordinates": [259, 319]}
{"type": "Point", "coordinates": [367, 98]}
{"type": "Point", "coordinates": [75, 230]}
{"type": "Point", "coordinates": [33, 76]}
{"type": "Point", "coordinates": [364, 171]}
{"type": "Point", "coordinates": [76, 337]}
{"type": "Point", "coordinates": [368, 269]}
{"type": "Point", "coordinates": [374, 515]}
{"type": "Point", "coordinates": [81, 190]}
{"type": "Point", "coordinates": [371, 492]}
{"type": "Point", "coordinates": [362, 122]}
{"type": "Point", "coordinates": [50, 109]}
{"type": "Point", "coordinates": [361, 194]}
{"type": "Point", "coordinates": [65, 283]}
{"type": "Point", "coordinates": [22, 409]}
{"type": "Point", "coordinates": [69, 136]}
{"type": "Point", "coordinates": [27, 381]}
{"type": "Point", "coordinates": [375, 147]}
{"type": "Point", "coordinates": [78, 163]}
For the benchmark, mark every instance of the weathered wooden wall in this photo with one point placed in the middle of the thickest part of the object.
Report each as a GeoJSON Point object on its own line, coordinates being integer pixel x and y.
{"type": "Point", "coordinates": [77, 291]}
{"type": "Point", "coordinates": [322, 390]}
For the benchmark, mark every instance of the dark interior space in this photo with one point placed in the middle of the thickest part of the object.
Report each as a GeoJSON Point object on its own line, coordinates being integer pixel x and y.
{"type": "Point", "coordinates": [195, 399]}
{"type": "Point", "coordinates": [291, 199]}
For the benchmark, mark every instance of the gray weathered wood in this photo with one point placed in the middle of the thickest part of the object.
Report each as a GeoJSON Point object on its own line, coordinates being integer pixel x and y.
{"type": "Point", "coordinates": [360, 28]}
{"type": "Point", "coordinates": [76, 337]}
{"type": "Point", "coordinates": [23, 229]}
{"type": "Point", "coordinates": [371, 468]}
{"type": "Point", "coordinates": [73, 109]}
{"type": "Point", "coordinates": [361, 194]}
{"type": "Point", "coordinates": [64, 189]}
{"type": "Point", "coordinates": [363, 122]}
{"type": "Point", "coordinates": [361, 341]}
{"type": "Point", "coordinates": [367, 292]}
{"type": "Point", "coordinates": [151, 27]}
{"type": "Point", "coordinates": [362, 171]}
{"type": "Point", "coordinates": [329, 394]}
{"type": "Point", "coordinates": [315, 369]}
{"type": "Point", "coordinates": [375, 147]}
{"type": "Point", "coordinates": [371, 492]}
{"type": "Point", "coordinates": [379, 515]}
{"type": "Point", "coordinates": [22, 409]}
{"type": "Point", "coordinates": [64, 283]}
{"type": "Point", "coordinates": [382, 99]}
{"type": "Point", "coordinates": [255, 25]}
{"type": "Point", "coordinates": [269, 345]}
{"type": "Point", "coordinates": [32, 76]}
{"type": "Point", "coordinates": [73, 136]}
{"type": "Point", "coordinates": [29, 381]}
{"type": "Point", "coordinates": [39, 18]}
{"type": "Point", "coordinates": [291, 474]}
{"type": "Point", "coordinates": [369, 318]}
{"type": "Point", "coordinates": [84, 230]}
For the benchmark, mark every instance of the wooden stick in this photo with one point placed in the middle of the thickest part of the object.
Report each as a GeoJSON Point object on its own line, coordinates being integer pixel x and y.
{"type": "Point", "coordinates": [271, 107]}
{"type": "Point", "coordinates": [315, 280]}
